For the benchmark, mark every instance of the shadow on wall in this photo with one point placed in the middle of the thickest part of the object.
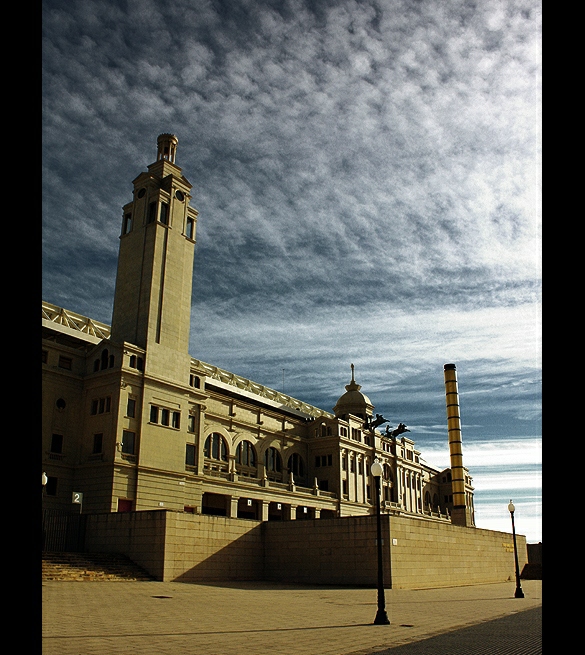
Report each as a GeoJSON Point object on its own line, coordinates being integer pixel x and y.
{"type": "Point", "coordinates": [218, 559]}
{"type": "Point", "coordinates": [533, 568]}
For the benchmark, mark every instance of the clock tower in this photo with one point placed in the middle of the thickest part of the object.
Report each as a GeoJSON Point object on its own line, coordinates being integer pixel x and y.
{"type": "Point", "coordinates": [152, 302]}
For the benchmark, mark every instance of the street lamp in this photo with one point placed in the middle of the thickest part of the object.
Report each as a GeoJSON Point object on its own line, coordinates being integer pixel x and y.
{"type": "Point", "coordinates": [518, 593]}
{"type": "Point", "coordinates": [381, 616]}
{"type": "Point", "coordinates": [45, 480]}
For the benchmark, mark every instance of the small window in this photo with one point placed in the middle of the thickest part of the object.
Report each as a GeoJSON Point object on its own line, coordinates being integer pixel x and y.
{"type": "Point", "coordinates": [57, 443]}
{"type": "Point", "coordinates": [131, 408]}
{"type": "Point", "coordinates": [128, 439]}
{"type": "Point", "coordinates": [153, 414]}
{"type": "Point", "coordinates": [352, 465]}
{"type": "Point", "coordinates": [98, 440]}
{"type": "Point", "coordinates": [127, 224]}
{"type": "Point", "coordinates": [111, 361]}
{"type": "Point", "coordinates": [190, 228]}
{"type": "Point", "coordinates": [65, 362]}
{"type": "Point", "coordinates": [344, 487]}
{"type": "Point", "coordinates": [318, 460]}
{"type": "Point", "coordinates": [195, 381]}
{"type": "Point", "coordinates": [190, 455]}
{"type": "Point", "coordinates": [164, 416]}
{"type": "Point", "coordinates": [191, 423]}
{"type": "Point", "coordinates": [176, 420]}
{"type": "Point", "coordinates": [164, 213]}
{"type": "Point", "coordinates": [344, 463]}
{"type": "Point", "coordinates": [96, 365]}
{"type": "Point", "coordinates": [60, 404]}
{"type": "Point", "coordinates": [151, 216]}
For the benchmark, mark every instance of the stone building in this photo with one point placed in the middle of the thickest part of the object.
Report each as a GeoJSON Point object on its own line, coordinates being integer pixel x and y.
{"type": "Point", "coordinates": [133, 422]}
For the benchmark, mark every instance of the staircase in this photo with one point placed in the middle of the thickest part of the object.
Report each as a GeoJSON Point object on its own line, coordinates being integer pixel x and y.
{"type": "Point", "coordinates": [90, 567]}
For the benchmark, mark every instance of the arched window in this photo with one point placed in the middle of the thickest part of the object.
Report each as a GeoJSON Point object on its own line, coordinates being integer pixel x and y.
{"type": "Point", "coordinates": [272, 461]}
{"type": "Point", "coordinates": [246, 459]}
{"type": "Point", "coordinates": [296, 465]}
{"type": "Point", "coordinates": [427, 500]}
{"type": "Point", "coordinates": [215, 447]}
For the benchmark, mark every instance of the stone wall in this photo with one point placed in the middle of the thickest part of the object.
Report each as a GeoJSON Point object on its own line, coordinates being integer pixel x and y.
{"type": "Point", "coordinates": [177, 546]}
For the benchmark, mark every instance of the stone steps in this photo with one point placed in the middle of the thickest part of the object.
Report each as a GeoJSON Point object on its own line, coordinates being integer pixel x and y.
{"type": "Point", "coordinates": [91, 567]}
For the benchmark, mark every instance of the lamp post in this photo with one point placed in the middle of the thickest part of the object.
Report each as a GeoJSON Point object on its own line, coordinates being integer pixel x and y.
{"type": "Point", "coordinates": [45, 480]}
{"type": "Point", "coordinates": [518, 593]}
{"type": "Point", "coordinates": [381, 616]}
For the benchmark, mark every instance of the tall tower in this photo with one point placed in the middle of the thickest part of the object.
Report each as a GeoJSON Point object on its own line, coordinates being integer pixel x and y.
{"type": "Point", "coordinates": [152, 301]}
{"type": "Point", "coordinates": [461, 512]}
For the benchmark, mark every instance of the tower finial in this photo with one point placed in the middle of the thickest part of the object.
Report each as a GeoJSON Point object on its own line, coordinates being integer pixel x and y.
{"type": "Point", "coordinates": [352, 369]}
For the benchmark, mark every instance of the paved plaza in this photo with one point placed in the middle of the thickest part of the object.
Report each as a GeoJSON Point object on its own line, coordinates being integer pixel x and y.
{"type": "Point", "coordinates": [255, 618]}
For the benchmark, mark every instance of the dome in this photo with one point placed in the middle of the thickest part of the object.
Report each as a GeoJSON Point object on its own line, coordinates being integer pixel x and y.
{"type": "Point", "coordinates": [353, 401]}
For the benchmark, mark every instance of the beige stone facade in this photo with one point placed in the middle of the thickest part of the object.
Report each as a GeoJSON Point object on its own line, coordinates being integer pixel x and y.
{"type": "Point", "coordinates": [135, 423]}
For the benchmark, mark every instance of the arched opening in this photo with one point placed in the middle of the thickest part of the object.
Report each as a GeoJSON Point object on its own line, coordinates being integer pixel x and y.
{"type": "Point", "coordinates": [246, 462]}
{"type": "Point", "coordinates": [273, 464]}
{"type": "Point", "coordinates": [215, 453]}
{"type": "Point", "coordinates": [296, 465]}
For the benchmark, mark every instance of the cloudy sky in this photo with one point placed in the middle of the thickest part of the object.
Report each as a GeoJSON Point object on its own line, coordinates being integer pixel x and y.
{"type": "Point", "coordinates": [368, 180]}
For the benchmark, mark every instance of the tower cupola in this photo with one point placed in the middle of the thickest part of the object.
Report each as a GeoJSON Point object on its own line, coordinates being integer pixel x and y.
{"type": "Point", "coordinates": [167, 147]}
{"type": "Point", "coordinates": [353, 401]}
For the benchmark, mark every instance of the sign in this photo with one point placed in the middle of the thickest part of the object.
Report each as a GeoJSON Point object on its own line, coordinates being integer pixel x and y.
{"type": "Point", "coordinates": [77, 497]}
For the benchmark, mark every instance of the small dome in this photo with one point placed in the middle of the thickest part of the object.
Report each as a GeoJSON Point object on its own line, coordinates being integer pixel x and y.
{"type": "Point", "coordinates": [353, 401]}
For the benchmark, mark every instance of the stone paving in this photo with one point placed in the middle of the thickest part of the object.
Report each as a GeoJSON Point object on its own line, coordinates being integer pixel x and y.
{"type": "Point", "coordinates": [255, 618]}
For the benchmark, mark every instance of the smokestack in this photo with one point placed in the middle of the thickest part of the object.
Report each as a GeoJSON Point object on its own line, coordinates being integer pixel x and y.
{"type": "Point", "coordinates": [461, 514]}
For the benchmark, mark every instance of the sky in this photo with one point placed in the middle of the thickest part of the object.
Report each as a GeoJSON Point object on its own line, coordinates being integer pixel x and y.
{"type": "Point", "coordinates": [368, 180]}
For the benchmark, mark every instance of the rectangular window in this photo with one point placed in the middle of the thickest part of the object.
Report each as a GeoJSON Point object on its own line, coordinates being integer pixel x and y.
{"type": "Point", "coordinates": [176, 420]}
{"type": "Point", "coordinates": [368, 492]}
{"type": "Point", "coordinates": [323, 460]}
{"type": "Point", "coordinates": [329, 460]}
{"type": "Point", "coordinates": [190, 455]}
{"type": "Point", "coordinates": [128, 439]}
{"type": "Point", "coordinates": [127, 225]}
{"type": "Point", "coordinates": [131, 408]}
{"type": "Point", "coordinates": [360, 467]}
{"type": "Point", "coordinates": [318, 460]}
{"type": "Point", "coordinates": [102, 406]}
{"type": "Point", "coordinates": [151, 217]}
{"type": "Point", "coordinates": [65, 362]}
{"type": "Point", "coordinates": [57, 443]}
{"type": "Point", "coordinates": [98, 440]}
{"type": "Point", "coordinates": [164, 416]}
{"type": "Point", "coordinates": [191, 423]}
{"type": "Point", "coordinates": [190, 228]}
{"type": "Point", "coordinates": [344, 486]}
{"type": "Point", "coordinates": [164, 213]}
{"type": "Point", "coordinates": [344, 463]}
{"type": "Point", "coordinates": [352, 465]}
{"type": "Point", "coordinates": [153, 414]}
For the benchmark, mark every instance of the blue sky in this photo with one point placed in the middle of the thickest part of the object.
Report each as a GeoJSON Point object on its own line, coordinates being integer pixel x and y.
{"type": "Point", "coordinates": [368, 181]}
